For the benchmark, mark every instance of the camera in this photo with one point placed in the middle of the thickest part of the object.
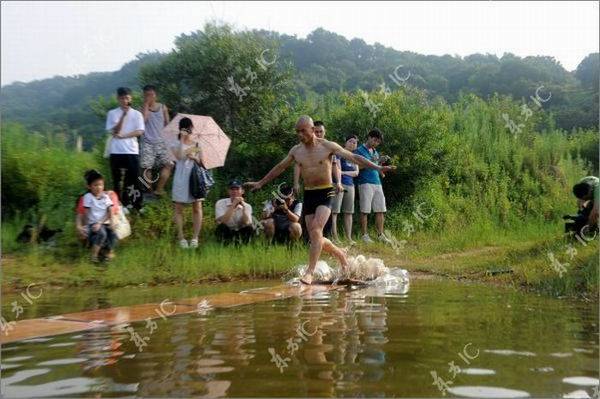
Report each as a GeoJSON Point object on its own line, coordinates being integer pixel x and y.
{"type": "Point", "coordinates": [279, 202]}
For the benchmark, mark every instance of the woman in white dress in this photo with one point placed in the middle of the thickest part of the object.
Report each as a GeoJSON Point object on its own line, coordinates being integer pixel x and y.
{"type": "Point", "coordinates": [186, 152]}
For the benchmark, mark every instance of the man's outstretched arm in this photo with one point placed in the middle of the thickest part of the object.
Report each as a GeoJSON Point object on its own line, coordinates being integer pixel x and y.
{"type": "Point", "coordinates": [273, 173]}
{"type": "Point", "coordinates": [358, 159]}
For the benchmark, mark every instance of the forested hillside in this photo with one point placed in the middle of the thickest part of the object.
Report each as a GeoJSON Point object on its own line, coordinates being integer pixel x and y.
{"type": "Point", "coordinates": [325, 62]}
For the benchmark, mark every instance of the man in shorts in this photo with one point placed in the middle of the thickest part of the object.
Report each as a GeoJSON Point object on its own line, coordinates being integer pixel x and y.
{"type": "Point", "coordinates": [154, 148]}
{"type": "Point", "coordinates": [336, 174]}
{"type": "Point", "coordinates": [370, 191]}
{"type": "Point", "coordinates": [313, 155]}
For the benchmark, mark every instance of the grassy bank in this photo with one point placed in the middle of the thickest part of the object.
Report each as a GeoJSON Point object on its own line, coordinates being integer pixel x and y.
{"type": "Point", "coordinates": [517, 257]}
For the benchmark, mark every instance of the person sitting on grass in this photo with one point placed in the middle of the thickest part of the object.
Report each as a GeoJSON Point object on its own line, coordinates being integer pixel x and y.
{"type": "Point", "coordinates": [281, 217]}
{"type": "Point", "coordinates": [98, 204]}
{"type": "Point", "coordinates": [234, 216]}
{"type": "Point", "coordinates": [80, 212]}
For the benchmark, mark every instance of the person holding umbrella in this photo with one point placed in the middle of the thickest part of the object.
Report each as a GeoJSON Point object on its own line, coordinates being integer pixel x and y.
{"type": "Point", "coordinates": [186, 152]}
{"type": "Point", "coordinates": [188, 134]}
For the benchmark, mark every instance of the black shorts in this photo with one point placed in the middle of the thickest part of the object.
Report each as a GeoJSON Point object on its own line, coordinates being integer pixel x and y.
{"type": "Point", "coordinates": [315, 198]}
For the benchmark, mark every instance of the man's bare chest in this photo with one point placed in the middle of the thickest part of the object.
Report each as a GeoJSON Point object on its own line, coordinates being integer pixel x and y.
{"type": "Point", "coordinates": [313, 157]}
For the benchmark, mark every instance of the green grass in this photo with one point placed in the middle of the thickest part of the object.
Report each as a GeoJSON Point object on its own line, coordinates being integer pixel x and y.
{"type": "Point", "coordinates": [151, 262]}
{"type": "Point", "coordinates": [517, 257]}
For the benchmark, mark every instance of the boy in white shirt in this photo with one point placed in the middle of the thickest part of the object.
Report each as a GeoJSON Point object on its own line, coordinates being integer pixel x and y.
{"type": "Point", "coordinates": [126, 125]}
{"type": "Point", "coordinates": [98, 205]}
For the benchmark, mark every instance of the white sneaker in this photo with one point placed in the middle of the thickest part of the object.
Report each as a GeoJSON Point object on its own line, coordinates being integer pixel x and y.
{"type": "Point", "coordinates": [351, 242]}
{"type": "Point", "coordinates": [183, 243]}
{"type": "Point", "coordinates": [383, 238]}
{"type": "Point", "coordinates": [194, 243]}
{"type": "Point", "coordinates": [367, 239]}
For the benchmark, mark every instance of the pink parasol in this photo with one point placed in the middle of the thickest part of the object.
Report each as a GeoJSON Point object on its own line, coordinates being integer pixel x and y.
{"type": "Point", "coordinates": [213, 142]}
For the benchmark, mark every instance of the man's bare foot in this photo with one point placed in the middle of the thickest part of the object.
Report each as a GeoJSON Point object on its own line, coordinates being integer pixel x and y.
{"type": "Point", "coordinates": [343, 259]}
{"type": "Point", "coordinates": [307, 279]}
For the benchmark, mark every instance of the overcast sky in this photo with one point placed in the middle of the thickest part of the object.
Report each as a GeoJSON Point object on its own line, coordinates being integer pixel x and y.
{"type": "Point", "coordinates": [44, 39]}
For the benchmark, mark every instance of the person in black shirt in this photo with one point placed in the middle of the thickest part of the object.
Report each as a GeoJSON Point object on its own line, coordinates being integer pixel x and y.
{"type": "Point", "coordinates": [281, 217]}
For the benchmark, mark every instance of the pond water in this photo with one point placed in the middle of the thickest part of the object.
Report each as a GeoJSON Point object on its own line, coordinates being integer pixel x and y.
{"type": "Point", "coordinates": [430, 339]}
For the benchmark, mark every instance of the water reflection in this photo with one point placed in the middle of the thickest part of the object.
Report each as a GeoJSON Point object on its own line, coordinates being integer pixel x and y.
{"type": "Point", "coordinates": [370, 342]}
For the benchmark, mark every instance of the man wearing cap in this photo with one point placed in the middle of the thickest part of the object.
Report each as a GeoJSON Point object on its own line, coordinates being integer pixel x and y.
{"type": "Point", "coordinates": [234, 216]}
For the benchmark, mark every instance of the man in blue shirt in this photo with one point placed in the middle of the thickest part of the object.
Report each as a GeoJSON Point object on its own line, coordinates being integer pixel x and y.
{"type": "Point", "coordinates": [369, 188]}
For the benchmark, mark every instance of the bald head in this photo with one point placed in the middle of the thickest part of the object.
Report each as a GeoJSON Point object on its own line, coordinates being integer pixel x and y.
{"type": "Point", "coordinates": [305, 129]}
{"type": "Point", "coordinates": [305, 119]}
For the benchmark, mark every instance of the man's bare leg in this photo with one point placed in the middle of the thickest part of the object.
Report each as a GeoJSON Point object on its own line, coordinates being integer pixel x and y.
{"type": "Point", "coordinates": [165, 173]}
{"type": "Point", "coordinates": [348, 226]}
{"type": "Point", "coordinates": [315, 233]}
{"type": "Point", "coordinates": [318, 243]}
{"type": "Point", "coordinates": [379, 217]}
{"type": "Point", "coordinates": [334, 232]}
{"type": "Point", "coordinates": [363, 223]}
{"type": "Point", "coordinates": [336, 252]}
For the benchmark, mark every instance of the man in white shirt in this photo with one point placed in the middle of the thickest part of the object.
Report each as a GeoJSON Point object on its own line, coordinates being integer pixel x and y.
{"type": "Point", "coordinates": [234, 216]}
{"type": "Point", "coordinates": [126, 125]}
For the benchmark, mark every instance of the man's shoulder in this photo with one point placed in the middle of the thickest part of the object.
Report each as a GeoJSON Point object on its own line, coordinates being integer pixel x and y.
{"type": "Point", "coordinates": [136, 112]}
{"type": "Point", "coordinates": [222, 201]}
{"type": "Point", "coordinates": [325, 142]}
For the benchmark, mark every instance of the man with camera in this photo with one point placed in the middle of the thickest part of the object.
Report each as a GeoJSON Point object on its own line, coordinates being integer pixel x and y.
{"type": "Point", "coordinates": [281, 217]}
{"type": "Point", "coordinates": [587, 192]}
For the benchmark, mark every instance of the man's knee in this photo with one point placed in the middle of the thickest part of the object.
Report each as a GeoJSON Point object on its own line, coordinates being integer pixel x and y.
{"type": "Point", "coordinates": [269, 226]}
{"type": "Point", "coordinates": [295, 231]}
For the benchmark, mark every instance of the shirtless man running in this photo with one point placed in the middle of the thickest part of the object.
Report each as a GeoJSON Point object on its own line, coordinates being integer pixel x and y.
{"type": "Point", "coordinates": [313, 155]}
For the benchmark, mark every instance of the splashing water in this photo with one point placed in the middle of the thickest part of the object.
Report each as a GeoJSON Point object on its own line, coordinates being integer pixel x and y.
{"type": "Point", "coordinates": [371, 271]}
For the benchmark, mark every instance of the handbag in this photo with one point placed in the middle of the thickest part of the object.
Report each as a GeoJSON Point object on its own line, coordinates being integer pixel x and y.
{"type": "Point", "coordinates": [120, 225]}
{"type": "Point", "coordinates": [201, 181]}
{"type": "Point", "coordinates": [198, 187]}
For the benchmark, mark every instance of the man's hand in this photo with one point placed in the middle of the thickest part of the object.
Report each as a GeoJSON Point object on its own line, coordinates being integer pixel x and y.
{"type": "Point", "coordinates": [253, 185]}
{"type": "Point", "coordinates": [96, 227]}
{"type": "Point", "coordinates": [339, 188]}
{"type": "Point", "coordinates": [388, 168]}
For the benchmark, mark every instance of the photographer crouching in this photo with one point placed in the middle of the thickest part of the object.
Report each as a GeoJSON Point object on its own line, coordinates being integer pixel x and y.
{"type": "Point", "coordinates": [281, 217]}
{"type": "Point", "coordinates": [587, 191]}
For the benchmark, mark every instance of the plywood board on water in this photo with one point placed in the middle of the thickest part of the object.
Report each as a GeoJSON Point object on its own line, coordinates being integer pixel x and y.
{"type": "Point", "coordinates": [80, 321]}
